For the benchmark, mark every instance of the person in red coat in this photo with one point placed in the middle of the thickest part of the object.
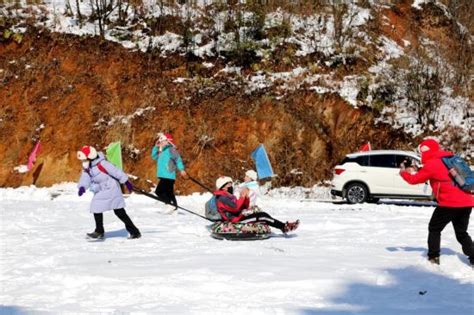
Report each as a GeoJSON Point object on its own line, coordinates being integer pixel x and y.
{"type": "Point", "coordinates": [233, 210]}
{"type": "Point", "coordinates": [454, 205]}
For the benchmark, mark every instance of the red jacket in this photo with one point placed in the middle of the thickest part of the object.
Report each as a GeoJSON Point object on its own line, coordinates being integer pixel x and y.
{"type": "Point", "coordinates": [446, 193]}
{"type": "Point", "coordinates": [229, 207]}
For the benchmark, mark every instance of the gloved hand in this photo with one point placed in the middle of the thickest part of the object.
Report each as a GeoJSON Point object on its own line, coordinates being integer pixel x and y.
{"type": "Point", "coordinates": [244, 192]}
{"type": "Point", "coordinates": [81, 192]}
{"type": "Point", "coordinates": [129, 186]}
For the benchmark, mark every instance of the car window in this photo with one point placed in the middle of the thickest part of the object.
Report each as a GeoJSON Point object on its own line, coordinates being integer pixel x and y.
{"type": "Point", "coordinates": [361, 160]}
{"type": "Point", "coordinates": [383, 160]}
{"type": "Point", "coordinates": [400, 158]}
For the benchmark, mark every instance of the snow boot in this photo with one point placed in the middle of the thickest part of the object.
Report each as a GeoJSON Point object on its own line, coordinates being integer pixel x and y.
{"type": "Point", "coordinates": [291, 226]}
{"type": "Point", "coordinates": [434, 260]}
{"type": "Point", "coordinates": [174, 211]}
{"type": "Point", "coordinates": [134, 236]}
{"type": "Point", "coordinates": [170, 209]}
{"type": "Point", "coordinates": [96, 235]}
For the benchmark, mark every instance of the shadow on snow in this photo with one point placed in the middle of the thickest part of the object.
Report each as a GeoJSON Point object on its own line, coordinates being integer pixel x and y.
{"type": "Point", "coordinates": [410, 290]}
{"type": "Point", "coordinates": [117, 233]}
{"type": "Point", "coordinates": [424, 252]}
{"type": "Point", "coordinates": [17, 310]}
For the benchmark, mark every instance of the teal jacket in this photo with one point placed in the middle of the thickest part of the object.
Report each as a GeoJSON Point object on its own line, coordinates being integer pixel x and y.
{"type": "Point", "coordinates": [167, 161]}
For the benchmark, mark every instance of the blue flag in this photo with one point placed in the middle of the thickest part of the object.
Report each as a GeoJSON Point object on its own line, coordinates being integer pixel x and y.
{"type": "Point", "coordinates": [262, 163]}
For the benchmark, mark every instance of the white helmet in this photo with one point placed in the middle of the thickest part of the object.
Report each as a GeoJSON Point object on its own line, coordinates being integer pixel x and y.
{"type": "Point", "coordinates": [222, 181]}
{"type": "Point", "coordinates": [251, 174]}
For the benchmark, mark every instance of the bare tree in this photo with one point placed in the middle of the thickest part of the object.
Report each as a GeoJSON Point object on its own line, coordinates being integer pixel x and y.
{"type": "Point", "coordinates": [462, 12]}
{"type": "Point", "coordinates": [68, 8]}
{"type": "Point", "coordinates": [122, 11]}
{"type": "Point", "coordinates": [188, 41]}
{"type": "Point", "coordinates": [78, 10]}
{"type": "Point", "coordinates": [424, 82]}
{"type": "Point", "coordinates": [101, 11]}
{"type": "Point", "coordinates": [343, 17]}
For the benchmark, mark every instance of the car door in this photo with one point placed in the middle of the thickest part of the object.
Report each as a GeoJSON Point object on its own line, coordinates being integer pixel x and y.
{"type": "Point", "coordinates": [403, 187]}
{"type": "Point", "coordinates": [383, 171]}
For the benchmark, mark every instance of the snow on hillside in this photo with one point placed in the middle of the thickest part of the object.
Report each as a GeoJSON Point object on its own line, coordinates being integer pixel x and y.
{"type": "Point", "coordinates": [417, 3]}
{"type": "Point", "coordinates": [357, 259]}
{"type": "Point", "coordinates": [384, 84]}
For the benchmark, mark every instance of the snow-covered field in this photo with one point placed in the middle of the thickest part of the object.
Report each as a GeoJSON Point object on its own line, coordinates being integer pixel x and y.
{"type": "Point", "coordinates": [364, 259]}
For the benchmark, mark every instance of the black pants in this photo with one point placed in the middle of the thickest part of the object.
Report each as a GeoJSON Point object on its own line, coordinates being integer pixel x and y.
{"type": "Point", "coordinates": [263, 217]}
{"type": "Point", "coordinates": [165, 191]}
{"type": "Point", "coordinates": [122, 215]}
{"type": "Point", "coordinates": [460, 219]}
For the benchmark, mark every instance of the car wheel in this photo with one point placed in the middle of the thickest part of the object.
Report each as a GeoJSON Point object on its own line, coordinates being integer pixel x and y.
{"type": "Point", "coordinates": [356, 193]}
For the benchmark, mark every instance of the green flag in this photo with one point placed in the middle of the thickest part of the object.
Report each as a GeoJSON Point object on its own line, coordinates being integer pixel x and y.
{"type": "Point", "coordinates": [114, 154]}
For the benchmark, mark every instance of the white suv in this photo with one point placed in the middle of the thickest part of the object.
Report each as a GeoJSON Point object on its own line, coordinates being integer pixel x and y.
{"type": "Point", "coordinates": [370, 175]}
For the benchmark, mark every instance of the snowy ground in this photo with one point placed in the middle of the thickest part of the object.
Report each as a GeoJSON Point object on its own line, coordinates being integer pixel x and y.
{"type": "Point", "coordinates": [364, 259]}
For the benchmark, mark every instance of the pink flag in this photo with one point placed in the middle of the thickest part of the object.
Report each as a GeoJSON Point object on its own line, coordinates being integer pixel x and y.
{"type": "Point", "coordinates": [32, 157]}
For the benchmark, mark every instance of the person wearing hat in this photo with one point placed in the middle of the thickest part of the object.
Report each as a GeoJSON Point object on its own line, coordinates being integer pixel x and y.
{"type": "Point", "coordinates": [232, 209]}
{"type": "Point", "coordinates": [250, 182]}
{"type": "Point", "coordinates": [454, 204]}
{"type": "Point", "coordinates": [104, 179]}
{"type": "Point", "coordinates": [168, 161]}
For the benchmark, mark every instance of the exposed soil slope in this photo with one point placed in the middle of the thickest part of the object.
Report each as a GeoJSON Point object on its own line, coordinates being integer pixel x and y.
{"type": "Point", "coordinates": [75, 86]}
{"type": "Point", "coordinates": [68, 91]}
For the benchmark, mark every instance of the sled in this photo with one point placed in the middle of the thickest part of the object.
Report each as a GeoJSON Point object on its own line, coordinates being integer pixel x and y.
{"type": "Point", "coordinates": [251, 231]}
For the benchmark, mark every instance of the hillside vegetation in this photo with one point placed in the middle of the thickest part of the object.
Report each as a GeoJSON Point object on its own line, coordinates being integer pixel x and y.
{"type": "Point", "coordinates": [312, 81]}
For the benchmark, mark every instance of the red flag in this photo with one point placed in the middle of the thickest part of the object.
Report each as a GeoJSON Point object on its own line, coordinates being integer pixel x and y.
{"type": "Point", "coordinates": [32, 157]}
{"type": "Point", "coordinates": [365, 147]}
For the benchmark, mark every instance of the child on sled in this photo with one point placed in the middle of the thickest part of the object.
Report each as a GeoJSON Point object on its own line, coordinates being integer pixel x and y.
{"type": "Point", "coordinates": [232, 209]}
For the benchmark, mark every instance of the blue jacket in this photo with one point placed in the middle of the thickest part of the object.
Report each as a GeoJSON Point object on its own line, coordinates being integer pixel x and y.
{"type": "Point", "coordinates": [167, 161]}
